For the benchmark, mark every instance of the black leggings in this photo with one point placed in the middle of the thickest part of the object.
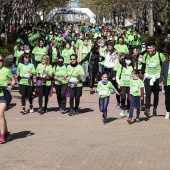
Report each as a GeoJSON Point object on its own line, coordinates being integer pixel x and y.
{"type": "Point", "coordinates": [92, 79]}
{"type": "Point", "coordinates": [148, 90]}
{"type": "Point", "coordinates": [125, 94]}
{"type": "Point", "coordinates": [43, 91]}
{"type": "Point", "coordinates": [61, 98]}
{"type": "Point", "coordinates": [167, 98]}
{"type": "Point", "coordinates": [26, 91]}
{"type": "Point", "coordinates": [75, 93]}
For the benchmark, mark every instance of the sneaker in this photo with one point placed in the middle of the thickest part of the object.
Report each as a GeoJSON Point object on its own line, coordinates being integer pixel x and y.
{"type": "Point", "coordinates": [40, 111]}
{"type": "Point", "coordinates": [154, 112]}
{"type": "Point", "coordinates": [129, 120]}
{"type": "Point", "coordinates": [147, 113]}
{"type": "Point", "coordinates": [45, 110]}
{"type": "Point", "coordinates": [31, 110]}
{"type": "Point", "coordinates": [71, 113]}
{"type": "Point", "coordinates": [62, 111]}
{"type": "Point", "coordinates": [167, 115]}
{"type": "Point", "coordinates": [104, 121]}
{"type": "Point", "coordinates": [137, 120]}
{"type": "Point", "coordinates": [118, 105]}
{"type": "Point", "coordinates": [77, 111]}
{"type": "Point", "coordinates": [2, 138]}
{"type": "Point", "coordinates": [23, 111]}
{"type": "Point", "coordinates": [7, 136]}
{"type": "Point", "coordinates": [122, 113]}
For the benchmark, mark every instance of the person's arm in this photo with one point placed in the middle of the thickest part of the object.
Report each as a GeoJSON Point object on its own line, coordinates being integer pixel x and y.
{"type": "Point", "coordinates": [143, 68]}
{"type": "Point", "coordinates": [162, 75]}
{"type": "Point", "coordinates": [86, 58]}
{"type": "Point", "coordinates": [12, 84]}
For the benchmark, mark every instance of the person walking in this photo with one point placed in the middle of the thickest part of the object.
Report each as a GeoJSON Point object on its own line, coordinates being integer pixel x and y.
{"type": "Point", "coordinates": [60, 78]}
{"type": "Point", "coordinates": [151, 68]}
{"type": "Point", "coordinates": [75, 72]}
{"type": "Point", "coordinates": [44, 75]}
{"type": "Point", "coordinates": [103, 88]}
{"type": "Point", "coordinates": [25, 75]}
{"type": "Point", "coordinates": [136, 94]}
{"type": "Point", "coordinates": [165, 80]}
{"type": "Point", "coordinates": [6, 75]}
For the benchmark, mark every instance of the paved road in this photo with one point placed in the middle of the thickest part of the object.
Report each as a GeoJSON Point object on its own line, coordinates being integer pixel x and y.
{"type": "Point", "coordinates": [58, 142]}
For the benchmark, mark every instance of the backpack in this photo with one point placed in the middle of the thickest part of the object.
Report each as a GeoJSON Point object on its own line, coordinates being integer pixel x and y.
{"type": "Point", "coordinates": [159, 59]}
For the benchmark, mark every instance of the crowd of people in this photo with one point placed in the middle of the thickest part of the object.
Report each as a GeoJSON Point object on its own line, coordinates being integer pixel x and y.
{"type": "Point", "coordinates": [67, 56]}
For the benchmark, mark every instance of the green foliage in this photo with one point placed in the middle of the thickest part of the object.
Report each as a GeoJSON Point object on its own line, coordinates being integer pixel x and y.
{"type": "Point", "coordinates": [12, 38]}
{"type": "Point", "coordinates": [161, 44]}
{"type": "Point", "coordinates": [6, 50]}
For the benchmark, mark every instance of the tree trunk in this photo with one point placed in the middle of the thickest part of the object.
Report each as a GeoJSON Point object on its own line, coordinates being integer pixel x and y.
{"type": "Point", "coordinates": [151, 22]}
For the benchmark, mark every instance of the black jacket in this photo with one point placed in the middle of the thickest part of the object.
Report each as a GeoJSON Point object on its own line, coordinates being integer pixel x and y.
{"type": "Point", "coordinates": [50, 51]}
{"type": "Point", "coordinates": [164, 73]}
{"type": "Point", "coordinates": [93, 59]}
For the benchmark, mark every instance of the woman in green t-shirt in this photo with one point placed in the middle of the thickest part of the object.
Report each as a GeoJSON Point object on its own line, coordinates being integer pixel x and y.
{"type": "Point", "coordinates": [17, 54]}
{"type": "Point", "coordinates": [75, 72]}
{"type": "Point", "coordinates": [25, 75]}
{"type": "Point", "coordinates": [5, 75]}
{"type": "Point", "coordinates": [39, 51]}
{"type": "Point", "coordinates": [124, 74]}
{"type": "Point", "coordinates": [60, 77]}
{"type": "Point", "coordinates": [44, 75]}
{"type": "Point", "coordinates": [67, 52]}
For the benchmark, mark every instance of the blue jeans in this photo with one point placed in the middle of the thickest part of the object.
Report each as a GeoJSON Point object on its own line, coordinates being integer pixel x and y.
{"type": "Point", "coordinates": [101, 68]}
{"type": "Point", "coordinates": [134, 100]}
{"type": "Point", "coordinates": [103, 103]}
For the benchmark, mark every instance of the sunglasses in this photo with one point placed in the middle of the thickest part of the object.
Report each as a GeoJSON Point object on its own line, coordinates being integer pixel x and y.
{"type": "Point", "coordinates": [43, 59]}
{"type": "Point", "coordinates": [72, 59]}
{"type": "Point", "coordinates": [1, 60]}
{"type": "Point", "coordinates": [27, 57]}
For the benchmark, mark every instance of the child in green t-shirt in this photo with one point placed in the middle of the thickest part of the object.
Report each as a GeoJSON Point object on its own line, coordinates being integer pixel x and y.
{"type": "Point", "coordinates": [104, 87]}
{"type": "Point", "coordinates": [136, 94]}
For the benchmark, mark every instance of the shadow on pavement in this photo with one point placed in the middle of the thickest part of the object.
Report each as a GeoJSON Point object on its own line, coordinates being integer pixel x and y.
{"type": "Point", "coordinates": [10, 106]}
{"type": "Point", "coordinates": [85, 110]}
{"type": "Point", "coordinates": [111, 119]}
{"type": "Point", "coordinates": [19, 135]}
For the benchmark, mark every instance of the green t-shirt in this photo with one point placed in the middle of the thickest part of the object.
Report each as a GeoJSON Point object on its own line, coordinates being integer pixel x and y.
{"type": "Point", "coordinates": [168, 77]}
{"type": "Point", "coordinates": [72, 74]}
{"type": "Point", "coordinates": [5, 75]}
{"type": "Point", "coordinates": [104, 90]}
{"type": "Point", "coordinates": [66, 54]}
{"type": "Point", "coordinates": [39, 52]}
{"type": "Point", "coordinates": [117, 66]}
{"type": "Point", "coordinates": [125, 75]}
{"type": "Point", "coordinates": [34, 38]}
{"type": "Point", "coordinates": [136, 43]}
{"type": "Point", "coordinates": [39, 70]}
{"type": "Point", "coordinates": [153, 66]}
{"type": "Point", "coordinates": [54, 54]}
{"type": "Point", "coordinates": [97, 35]}
{"type": "Point", "coordinates": [85, 51]}
{"type": "Point", "coordinates": [79, 43]}
{"type": "Point", "coordinates": [60, 72]}
{"type": "Point", "coordinates": [17, 54]}
{"type": "Point", "coordinates": [24, 73]}
{"type": "Point", "coordinates": [102, 50]}
{"type": "Point", "coordinates": [135, 87]}
{"type": "Point", "coordinates": [121, 48]}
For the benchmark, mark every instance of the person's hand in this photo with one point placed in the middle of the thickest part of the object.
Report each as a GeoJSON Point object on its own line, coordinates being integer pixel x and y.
{"type": "Point", "coordinates": [78, 73]}
{"type": "Point", "coordinates": [160, 84]}
{"type": "Point", "coordinates": [119, 86]}
{"type": "Point", "coordinates": [114, 78]}
{"type": "Point", "coordinates": [30, 72]}
{"type": "Point", "coordinates": [141, 98]}
{"type": "Point", "coordinates": [9, 88]}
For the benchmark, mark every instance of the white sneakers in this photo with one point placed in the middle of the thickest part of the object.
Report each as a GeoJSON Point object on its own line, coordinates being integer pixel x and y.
{"type": "Point", "coordinates": [167, 115]}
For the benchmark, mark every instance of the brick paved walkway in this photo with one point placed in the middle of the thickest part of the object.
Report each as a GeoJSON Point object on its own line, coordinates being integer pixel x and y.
{"type": "Point", "coordinates": [58, 142]}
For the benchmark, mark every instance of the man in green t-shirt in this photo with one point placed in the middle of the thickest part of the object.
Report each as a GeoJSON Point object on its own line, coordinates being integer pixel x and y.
{"type": "Point", "coordinates": [151, 68]}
